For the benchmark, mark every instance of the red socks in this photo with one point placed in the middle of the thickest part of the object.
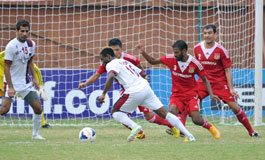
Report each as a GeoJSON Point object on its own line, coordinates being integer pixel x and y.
{"type": "Point", "coordinates": [206, 124]}
{"type": "Point", "coordinates": [242, 118]}
{"type": "Point", "coordinates": [158, 120]}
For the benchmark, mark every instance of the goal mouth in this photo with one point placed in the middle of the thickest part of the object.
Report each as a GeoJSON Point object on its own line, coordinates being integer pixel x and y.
{"type": "Point", "coordinates": [70, 34]}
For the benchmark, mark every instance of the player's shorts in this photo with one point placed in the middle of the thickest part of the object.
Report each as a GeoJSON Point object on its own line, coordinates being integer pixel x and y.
{"type": "Point", "coordinates": [146, 97]}
{"type": "Point", "coordinates": [142, 108]}
{"type": "Point", "coordinates": [220, 89]}
{"type": "Point", "coordinates": [186, 104]}
{"type": "Point", "coordinates": [22, 93]}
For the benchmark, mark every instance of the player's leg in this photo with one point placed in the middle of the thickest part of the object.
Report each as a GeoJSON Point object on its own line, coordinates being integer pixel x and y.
{"type": "Point", "coordinates": [6, 104]}
{"type": "Point", "coordinates": [33, 99]}
{"type": "Point", "coordinates": [242, 118]}
{"type": "Point", "coordinates": [152, 102]}
{"type": "Point", "coordinates": [43, 122]}
{"type": "Point", "coordinates": [194, 110]}
{"type": "Point", "coordinates": [127, 104]}
{"type": "Point", "coordinates": [153, 118]}
{"type": "Point", "coordinates": [163, 112]}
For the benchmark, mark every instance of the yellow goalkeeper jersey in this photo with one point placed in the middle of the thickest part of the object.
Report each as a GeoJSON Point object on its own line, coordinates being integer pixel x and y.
{"type": "Point", "coordinates": [2, 62]}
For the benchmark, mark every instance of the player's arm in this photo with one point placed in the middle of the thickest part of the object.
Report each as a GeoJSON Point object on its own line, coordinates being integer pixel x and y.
{"type": "Point", "coordinates": [209, 89]}
{"type": "Point", "coordinates": [34, 79]}
{"type": "Point", "coordinates": [150, 59]}
{"type": "Point", "coordinates": [11, 90]}
{"type": "Point", "coordinates": [229, 79]}
{"type": "Point", "coordinates": [108, 85]}
{"type": "Point", "coordinates": [90, 80]}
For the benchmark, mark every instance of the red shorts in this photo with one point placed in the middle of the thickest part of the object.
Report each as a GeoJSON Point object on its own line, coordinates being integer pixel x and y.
{"type": "Point", "coordinates": [141, 108]}
{"type": "Point", "coordinates": [186, 104]}
{"type": "Point", "coordinates": [220, 89]}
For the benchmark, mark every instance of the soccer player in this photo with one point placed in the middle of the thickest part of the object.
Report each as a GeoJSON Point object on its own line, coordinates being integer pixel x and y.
{"type": "Point", "coordinates": [116, 44]}
{"type": "Point", "coordinates": [19, 54]}
{"type": "Point", "coordinates": [137, 92]}
{"type": "Point", "coordinates": [184, 97]}
{"type": "Point", "coordinates": [217, 63]}
{"type": "Point", "coordinates": [39, 79]}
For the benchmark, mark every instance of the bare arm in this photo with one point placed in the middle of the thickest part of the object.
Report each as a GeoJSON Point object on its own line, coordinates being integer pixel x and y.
{"type": "Point", "coordinates": [229, 79]}
{"type": "Point", "coordinates": [11, 90]}
{"type": "Point", "coordinates": [150, 59]}
{"type": "Point", "coordinates": [108, 85]}
{"type": "Point", "coordinates": [143, 74]}
{"type": "Point", "coordinates": [90, 80]}
{"type": "Point", "coordinates": [209, 89]}
{"type": "Point", "coordinates": [32, 71]}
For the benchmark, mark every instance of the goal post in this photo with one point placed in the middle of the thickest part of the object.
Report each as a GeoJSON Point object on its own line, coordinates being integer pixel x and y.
{"type": "Point", "coordinates": [70, 33]}
{"type": "Point", "coordinates": [258, 62]}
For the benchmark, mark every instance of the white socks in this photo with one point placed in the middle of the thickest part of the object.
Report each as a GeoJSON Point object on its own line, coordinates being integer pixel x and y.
{"type": "Point", "coordinates": [173, 120]}
{"type": "Point", "coordinates": [124, 119]}
{"type": "Point", "coordinates": [36, 123]}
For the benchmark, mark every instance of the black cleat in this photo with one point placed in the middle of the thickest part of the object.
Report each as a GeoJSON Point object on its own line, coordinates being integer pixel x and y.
{"type": "Point", "coordinates": [46, 126]}
{"type": "Point", "coordinates": [255, 134]}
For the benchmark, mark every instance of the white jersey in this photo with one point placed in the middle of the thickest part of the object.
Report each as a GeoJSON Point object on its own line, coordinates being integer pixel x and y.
{"type": "Point", "coordinates": [127, 75]}
{"type": "Point", "coordinates": [18, 55]}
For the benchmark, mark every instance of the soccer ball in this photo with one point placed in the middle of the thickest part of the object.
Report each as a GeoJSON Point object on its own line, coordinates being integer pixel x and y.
{"type": "Point", "coordinates": [87, 135]}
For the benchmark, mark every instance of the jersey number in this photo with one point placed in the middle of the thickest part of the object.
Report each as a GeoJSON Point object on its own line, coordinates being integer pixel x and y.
{"type": "Point", "coordinates": [132, 70]}
{"type": "Point", "coordinates": [25, 50]}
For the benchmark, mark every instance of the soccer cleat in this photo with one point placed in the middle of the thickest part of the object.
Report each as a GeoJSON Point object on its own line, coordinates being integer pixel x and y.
{"type": "Point", "coordinates": [173, 132]}
{"type": "Point", "coordinates": [186, 139]}
{"type": "Point", "coordinates": [134, 132]}
{"type": "Point", "coordinates": [191, 139]}
{"type": "Point", "coordinates": [39, 137]}
{"type": "Point", "coordinates": [255, 134]}
{"type": "Point", "coordinates": [216, 134]}
{"type": "Point", "coordinates": [140, 135]}
{"type": "Point", "coordinates": [46, 126]}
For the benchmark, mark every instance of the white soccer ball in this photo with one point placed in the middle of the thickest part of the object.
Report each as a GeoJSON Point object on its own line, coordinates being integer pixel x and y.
{"type": "Point", "coordinates": [87, 135]}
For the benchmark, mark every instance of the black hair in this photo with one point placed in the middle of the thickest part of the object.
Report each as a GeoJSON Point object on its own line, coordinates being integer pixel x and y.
{"type": "Point", "coordinates": [210, 26]}
{"type": "Point", "coordinates": [180, 44]}
{"type": "Point", "coordinates": [115, 41]}
{"type": "Point", "coordinates": [23, 23]}
{"type": "Point", "coordinates": [107, 50]}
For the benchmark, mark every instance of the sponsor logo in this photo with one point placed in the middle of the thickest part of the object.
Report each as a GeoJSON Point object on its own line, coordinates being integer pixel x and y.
{"type": "Point", "coordinates": [208, 63]}
{"type": "Point", "coordinates": [181, 75]}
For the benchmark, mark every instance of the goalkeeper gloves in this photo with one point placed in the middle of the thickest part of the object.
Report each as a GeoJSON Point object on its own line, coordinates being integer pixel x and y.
{"type": "Point", "coordinates": [42, 93]}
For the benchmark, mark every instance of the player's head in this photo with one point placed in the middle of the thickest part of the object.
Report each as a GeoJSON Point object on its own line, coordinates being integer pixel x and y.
{"type": "Point", "coordinates": [22, 29]}
{"type": "Point", "coordinates": [106, 55]}
{"type": "Point", "coordinates": [116, 45]}
{"type": "Point", "coordinates": [180, 48]}
{"type": "Point", "coordinates": [209, 33]}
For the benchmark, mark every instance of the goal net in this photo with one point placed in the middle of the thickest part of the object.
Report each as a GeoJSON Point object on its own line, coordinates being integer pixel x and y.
{"type": "Point", "coordinates": [69, 35]}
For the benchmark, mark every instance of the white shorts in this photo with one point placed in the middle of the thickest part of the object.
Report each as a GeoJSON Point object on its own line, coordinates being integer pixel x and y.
{"type": "Point", "coordinates": [22, 93]}
{"type": "Point", "coordinates": [146, 97]}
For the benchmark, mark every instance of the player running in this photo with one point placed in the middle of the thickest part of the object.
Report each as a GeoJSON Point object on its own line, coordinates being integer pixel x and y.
{"type": "Point", "coordinates": [184, 97]}
{"type": "Point", "coordinates": [217, 63]}
{"type": "Point", "coordinates": [137, 92]}
{"type": "Point", "coordinates": [116, 45]}
{"type": "Point", "coordinates": [18, 61]}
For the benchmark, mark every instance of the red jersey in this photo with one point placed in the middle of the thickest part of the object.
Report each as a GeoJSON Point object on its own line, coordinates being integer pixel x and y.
{"type": "Point", "coordinates": [126, 56]}
{"type": "Point", "coordinates": [214, 61]}
{"type": "Point", "coordinates": [183, 74]}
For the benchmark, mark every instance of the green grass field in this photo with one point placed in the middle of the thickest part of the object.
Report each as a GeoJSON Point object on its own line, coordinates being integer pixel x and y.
{"type": "Point", "coordinates": [62, 143]}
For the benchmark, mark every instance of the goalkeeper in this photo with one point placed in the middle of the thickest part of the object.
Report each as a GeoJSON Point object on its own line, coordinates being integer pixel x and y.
{"type": "Point", "coordinates": [39, 78]}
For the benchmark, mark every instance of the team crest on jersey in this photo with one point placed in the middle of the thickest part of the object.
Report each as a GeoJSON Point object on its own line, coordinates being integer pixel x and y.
{"type": "Point", "coordinates": [191, 70]}
{"type": "Point", "coordinates": [217, 56]}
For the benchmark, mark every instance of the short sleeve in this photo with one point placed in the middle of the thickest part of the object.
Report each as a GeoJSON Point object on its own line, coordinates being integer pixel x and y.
{"type": "Point", "coordinates": [10, 53]}
{"type": "Point", "coordinates": [164, 60]}
{"type": "Point", "coordinates": [113, 67]}
{"type": "Point", "coordinates": [199, 70]}
{"type": "Point", "coordinates": [225, 58]}
{"type": "Point", "coordinates": [101, 69]}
